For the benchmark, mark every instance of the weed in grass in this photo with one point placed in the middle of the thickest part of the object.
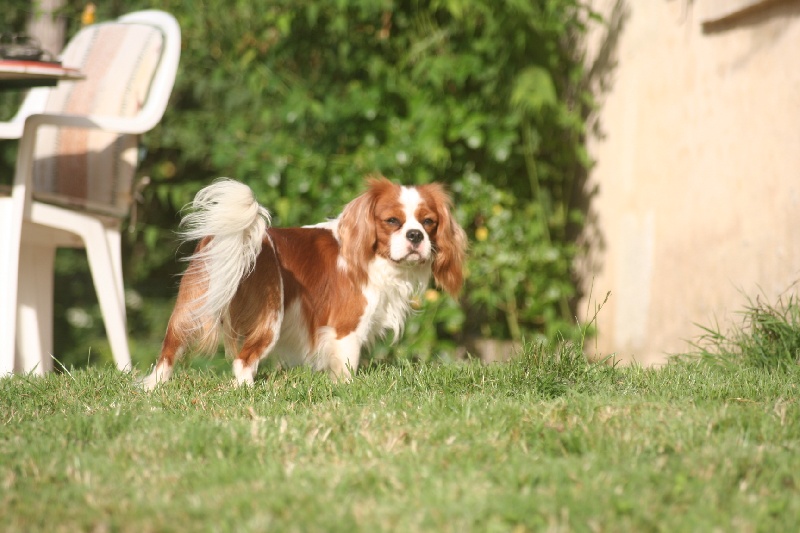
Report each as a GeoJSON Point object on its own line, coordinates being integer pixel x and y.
{"type": "Point", "coordinates": [768, 336]}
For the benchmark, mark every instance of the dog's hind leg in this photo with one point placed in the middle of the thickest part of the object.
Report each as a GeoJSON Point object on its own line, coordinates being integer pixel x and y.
{"type": "Point", "coordinates": [184, 329]}
{"type": "Point", "coordinates": [255, 348]}
{"type": "Point", "coordinates": [171, 350]}
{"type": "Point", "coordinates": [256, 314]}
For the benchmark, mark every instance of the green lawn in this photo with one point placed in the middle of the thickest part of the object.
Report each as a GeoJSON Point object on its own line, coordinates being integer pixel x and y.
{"type": "Point", "coordinates": [542, 443]}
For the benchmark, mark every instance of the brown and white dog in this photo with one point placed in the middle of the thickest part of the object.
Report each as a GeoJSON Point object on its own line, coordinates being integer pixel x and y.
{"type": "Point", "coordinates": [313, 295]}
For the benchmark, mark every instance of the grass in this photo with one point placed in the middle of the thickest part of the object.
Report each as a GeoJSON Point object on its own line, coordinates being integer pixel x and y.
{"type": "Point", "coordinates": [546, 442]}
{"type": "Point", "coordinates": [768, 335]}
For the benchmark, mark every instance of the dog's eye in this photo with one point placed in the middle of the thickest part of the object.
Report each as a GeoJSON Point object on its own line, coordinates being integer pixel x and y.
{"type": "Point", "coordinates": [393, 221]}
{"type": "Point", "coordinates": [428, 224]}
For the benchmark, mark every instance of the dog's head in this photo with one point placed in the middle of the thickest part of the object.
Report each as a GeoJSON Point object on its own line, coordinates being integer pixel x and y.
{"type": "Point", "coordinates": [408, 226]}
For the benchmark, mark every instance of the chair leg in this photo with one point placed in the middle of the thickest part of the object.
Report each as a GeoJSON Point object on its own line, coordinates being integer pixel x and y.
{"type": "Point", "coordinates": [35, 318]}
{"type": "Point", "coordinates": [114, 240]}
{"type": "Point", "coordinates": [108, 292]}
{"type": "Point", "coordinates": [10, 237]}
{"type": "Point", "coordinates": [105, 274]}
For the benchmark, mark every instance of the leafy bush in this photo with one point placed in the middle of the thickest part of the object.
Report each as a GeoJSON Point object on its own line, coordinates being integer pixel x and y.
{"type": "Point", "coordinates": [301, 99]}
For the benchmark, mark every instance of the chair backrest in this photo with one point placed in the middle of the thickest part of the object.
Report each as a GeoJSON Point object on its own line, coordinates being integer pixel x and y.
{"type": "Point", "coordinates": [124, 62]}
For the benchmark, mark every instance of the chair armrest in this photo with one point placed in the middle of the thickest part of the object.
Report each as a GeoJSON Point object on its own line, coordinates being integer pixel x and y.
{"type": "Point", "coordinates": [33, 103]}
{"type": "Point", "coordinates": [125, 125]}
{"type": "Point", "coordinates": [11, 129]}
{"type": "Point", "coordinates": [129, 125]}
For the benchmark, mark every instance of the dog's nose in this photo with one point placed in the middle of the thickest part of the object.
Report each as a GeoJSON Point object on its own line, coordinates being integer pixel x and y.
{"type": "Point", "coordinates": [415, 236]}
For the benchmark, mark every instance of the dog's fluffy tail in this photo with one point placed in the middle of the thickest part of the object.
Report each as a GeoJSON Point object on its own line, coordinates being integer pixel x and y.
{"type": "Point", "coordinates": [231, 225]}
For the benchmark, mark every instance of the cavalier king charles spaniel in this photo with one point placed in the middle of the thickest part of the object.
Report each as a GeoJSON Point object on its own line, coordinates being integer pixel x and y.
{"type": "Point", "coordinates": [312, 295]}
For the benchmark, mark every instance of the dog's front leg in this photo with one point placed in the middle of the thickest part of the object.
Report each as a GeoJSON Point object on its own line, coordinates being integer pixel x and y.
{"type": "Point", "coordinates": [343, 359]}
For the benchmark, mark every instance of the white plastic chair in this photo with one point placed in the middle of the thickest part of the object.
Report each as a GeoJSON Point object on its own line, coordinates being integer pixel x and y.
{"type": "Point", "coordinates": [73, 179]}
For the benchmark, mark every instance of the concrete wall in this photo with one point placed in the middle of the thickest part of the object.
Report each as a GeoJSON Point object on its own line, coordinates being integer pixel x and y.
{"type": "Point", "coordinates": [698, 170]}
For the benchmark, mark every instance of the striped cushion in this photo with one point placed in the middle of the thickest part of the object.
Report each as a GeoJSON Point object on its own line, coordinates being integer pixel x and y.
{"type": "Point", "coordinates": [92, 169]}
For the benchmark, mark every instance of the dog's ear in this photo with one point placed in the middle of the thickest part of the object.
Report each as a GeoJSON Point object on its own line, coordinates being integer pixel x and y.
{"type": "Point", "coordinates": [358, 232]}
{"type": "Point", "coordinates": [450, 243]}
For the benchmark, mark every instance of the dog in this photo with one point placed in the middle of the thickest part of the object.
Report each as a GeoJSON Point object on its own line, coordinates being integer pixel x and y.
{"type": "Point", "coordinates": [313, 295]}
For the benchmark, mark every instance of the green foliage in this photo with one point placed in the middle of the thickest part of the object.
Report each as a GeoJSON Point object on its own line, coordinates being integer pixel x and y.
{"type": "Point", "coordinates": [768, 336]}
{"type": "Point", "coordinates": [13, 17]}
{"type": "Point", "coordinates": [301, 99]}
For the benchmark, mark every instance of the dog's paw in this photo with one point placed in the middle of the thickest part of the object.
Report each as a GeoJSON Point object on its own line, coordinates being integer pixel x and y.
{"type": "Point", "coordinates": [160, 374]}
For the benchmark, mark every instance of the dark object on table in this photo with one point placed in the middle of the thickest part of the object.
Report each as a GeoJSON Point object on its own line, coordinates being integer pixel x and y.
{"type": "Point", "coordinates": [20, 47]}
